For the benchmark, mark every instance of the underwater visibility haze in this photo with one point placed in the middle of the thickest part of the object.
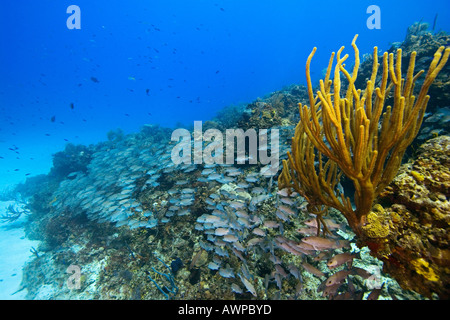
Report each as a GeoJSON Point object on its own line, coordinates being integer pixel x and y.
{"type": "Point", "coordinates": [120, 178]}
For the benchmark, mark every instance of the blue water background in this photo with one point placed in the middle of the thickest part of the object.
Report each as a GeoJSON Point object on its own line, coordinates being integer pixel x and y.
{"type": "Point", "coordinates": [165, 62]}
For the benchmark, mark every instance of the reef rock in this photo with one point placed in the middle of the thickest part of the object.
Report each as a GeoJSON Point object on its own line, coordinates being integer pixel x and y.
{"type": "Point", "coordinates": [417, 251]}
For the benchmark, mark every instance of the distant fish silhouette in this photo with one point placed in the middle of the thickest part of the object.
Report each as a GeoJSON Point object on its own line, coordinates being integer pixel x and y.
{"type": "Point", "coordinates": [94, 79]}
{"type": "Point", "coordinates": [434, 22]}
{"type": "Point", "coordinates": [72, 106]}
{"type": "Point", "coordinates": [147, 91]}
{"type": "Point", "coordinates": [52, 119]}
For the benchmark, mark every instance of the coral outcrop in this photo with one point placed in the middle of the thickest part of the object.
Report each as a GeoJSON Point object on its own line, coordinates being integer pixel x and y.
{"type": "Point", "coordinates": [417, 250]}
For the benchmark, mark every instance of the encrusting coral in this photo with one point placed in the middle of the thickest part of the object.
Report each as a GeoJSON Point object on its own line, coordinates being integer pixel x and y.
{"type": "Point", "coordinates": [417, 251]}
{"type": "Point", "coordinates": [356, 135]}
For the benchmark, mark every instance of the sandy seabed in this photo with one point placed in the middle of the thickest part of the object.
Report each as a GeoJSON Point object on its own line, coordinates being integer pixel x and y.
{"type": "Point", "coordinates": [14, 253]}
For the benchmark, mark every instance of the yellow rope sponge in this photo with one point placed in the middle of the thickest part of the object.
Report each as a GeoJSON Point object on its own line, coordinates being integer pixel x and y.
{"type": "Point", "coordinates": [355, 133]}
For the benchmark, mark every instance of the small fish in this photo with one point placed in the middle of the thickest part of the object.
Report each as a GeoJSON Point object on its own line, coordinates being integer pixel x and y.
{"type": "Point", "coordinates": [307, 231]}
{"type": "Point", "coordinates": [330, 224]}
{"type": "Point", "coordinates": [221, 231]}
{"type": "Point", "coordinates": [287, 210]}
{"type": "Point", "coordinates": [319, 243]}
{"type": "Point", "coordinates": [94, 79]}
{"type": "Point", "coordinates": [322, 256]}
{"type": "Point", "coordinates": [375, 294]}
{"type": "Point", "coordinates": [295, 272]}
{"type": "Point", "coordinates": [298, 288]}
{"type": "Point", "coordinates": [275, 259]}
{"type": "Point", "coordinates": [147, 91]}
{"type": "Point", "coordinates": [230, 238]}
{"type": "Point", "coordinates": [283, 192]}
{"type": "Point", "coordinates": [248, 285]}
{"type": "Point", "coordinates": [226, 273]}
{"type": "Point", "coordinates": [281, 215]}
{"type": "Point", "coordinates": [340, 259]}
{"type": "Point", "coordinates": [236, 289]}
{"type": "Point", "coordinates": [271, 224]}
{"type": "Point", "coordinates": [213, 266]}
{"type": "Point", "coordinates": [237, 205]}
{"type": "Point", "coordinates": [330, 291]}
{"type": "Point", "coordinates": [195, 259]}
{"type": "Point", "coordinates": [287, 201]}
{"type": "Point", "coordinates": [337, 278]}
{"type": "Point", "coordinates": [237, 254]}
{"type": "Point", "coordinates": [72, 106]}
{"type": "Point", "coordinates": [259, 232]}
{"type": "Point", "coordinates": [281, 270]}
{"type": "Point", "coordinates": [361, 272]}
{"type": "Point", "coordinates": [312, 269]}
{"type": "Point", "coordinates": [52, 119]}
{"type": "Point", "coordinates": [238, 246]}
{"type": "Point", "coordinates": [254, 241]}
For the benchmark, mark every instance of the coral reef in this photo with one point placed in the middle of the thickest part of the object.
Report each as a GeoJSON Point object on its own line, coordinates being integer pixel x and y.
{"type": "Point", "coordinates": [275, 110]}
{"type": "Point", "coordinates": [417, 249]}
{"type": "Point", "coordinates": [74, 158]}
{"type": "Point", "coordinates": [346, 137]}
{"type": "Point", "coordinates": [141, 227]}
{"type": "Point", "coordinates": [123, 224]}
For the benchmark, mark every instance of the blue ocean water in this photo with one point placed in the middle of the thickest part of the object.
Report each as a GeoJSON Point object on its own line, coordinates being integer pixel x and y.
{"type": "Point", "coordinates": [164, 62]}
